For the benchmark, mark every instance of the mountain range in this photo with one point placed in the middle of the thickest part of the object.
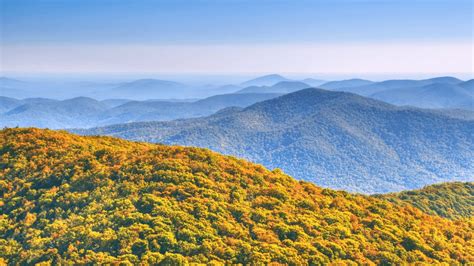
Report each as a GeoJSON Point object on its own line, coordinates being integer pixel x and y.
{"type": "Point", "coordinates": [440, 92]}
{"type": "Point", "coordinates": [334, 139]}
{"type": "Point", "coordinates": [86, 112]}
{"type": "Point", "coordinates": [366, 88]}
{"type": "Point", "coordinates": [71, 200]}
{"type": "Point", "coordinates": [435, 95]}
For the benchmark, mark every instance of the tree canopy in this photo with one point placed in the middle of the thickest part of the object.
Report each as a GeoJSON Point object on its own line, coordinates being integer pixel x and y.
{"type": "Point", "coordinates": [77, 200]}
{"type": "Point", "coordinates": [453, 200]}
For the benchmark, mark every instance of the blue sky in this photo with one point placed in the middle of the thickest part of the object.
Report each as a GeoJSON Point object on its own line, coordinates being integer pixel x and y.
{"type": "Point", "coordinates": [29, 27]}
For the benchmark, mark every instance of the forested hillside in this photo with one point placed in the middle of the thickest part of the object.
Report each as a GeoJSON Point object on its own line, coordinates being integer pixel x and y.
{"type": "Point", "coordinates": [451, 200]}
{"type": "Point", "coordinates": [67, 199]}
{"type": "Point", "coordinates": [334, 139]}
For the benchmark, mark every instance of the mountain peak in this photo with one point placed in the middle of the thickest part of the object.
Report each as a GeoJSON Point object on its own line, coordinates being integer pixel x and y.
{"type": "Point", "coordinates": [310, 99]}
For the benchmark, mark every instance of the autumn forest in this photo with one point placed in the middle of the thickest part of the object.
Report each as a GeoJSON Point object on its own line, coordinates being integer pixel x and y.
{"type": "Point", "coordinates": [67, 199]}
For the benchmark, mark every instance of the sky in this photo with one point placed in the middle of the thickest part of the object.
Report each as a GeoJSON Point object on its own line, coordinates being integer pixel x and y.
{"type": "Point", "coordinates": [237, 36]}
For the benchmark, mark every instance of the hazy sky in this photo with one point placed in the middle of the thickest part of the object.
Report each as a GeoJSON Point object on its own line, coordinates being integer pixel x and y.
{"type": "Point", "coordinates": [254, 36]}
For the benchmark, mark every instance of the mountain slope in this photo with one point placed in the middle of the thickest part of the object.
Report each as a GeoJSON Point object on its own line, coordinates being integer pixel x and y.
{"type": "Point", "coordinates": [335, 139]}
{"type": "Point", "coordinates": [67, 199]}
{"type": "Point", "coordinates": [451, 200]}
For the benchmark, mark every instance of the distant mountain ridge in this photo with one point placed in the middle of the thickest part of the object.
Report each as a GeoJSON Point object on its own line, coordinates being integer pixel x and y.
{"type": "Point", "coordinates": [273, 79]}
{"type": "Point", "coordinates": [87, 112]}
{"type": "Point", "coordinates": [435, 95]}
{"type": "Point", "coordinates": [279, 87]}
{"type": "Point", "coordinates": [395, 91]}
{"type": "Point", "coordinates": [366, 87]}
{"type": "Point", "coordinates": [46, 113]}
{"type": "Point", "coordinates": [268, 80]}
{"type": "Point", "coordinates": [439, 92]}
{"type": "Point", "coordinates": [348, 83]}
{"type": "Point", "coordinates": [335, 139]}
{"type": "Point", "coordinates": [144, 89]}
{"type": "Point", "coordinates": [21, 89]}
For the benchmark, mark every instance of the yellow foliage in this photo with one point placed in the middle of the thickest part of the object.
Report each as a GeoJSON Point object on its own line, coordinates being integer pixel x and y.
{"type": "Point", "coordinates": [99, 200]}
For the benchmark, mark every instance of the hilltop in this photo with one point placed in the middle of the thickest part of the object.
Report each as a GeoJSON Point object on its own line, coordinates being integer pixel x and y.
{"type": "Point", "coordinates": [67, 199]}
{"type": "Point", "coordinates": [451, 200]}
